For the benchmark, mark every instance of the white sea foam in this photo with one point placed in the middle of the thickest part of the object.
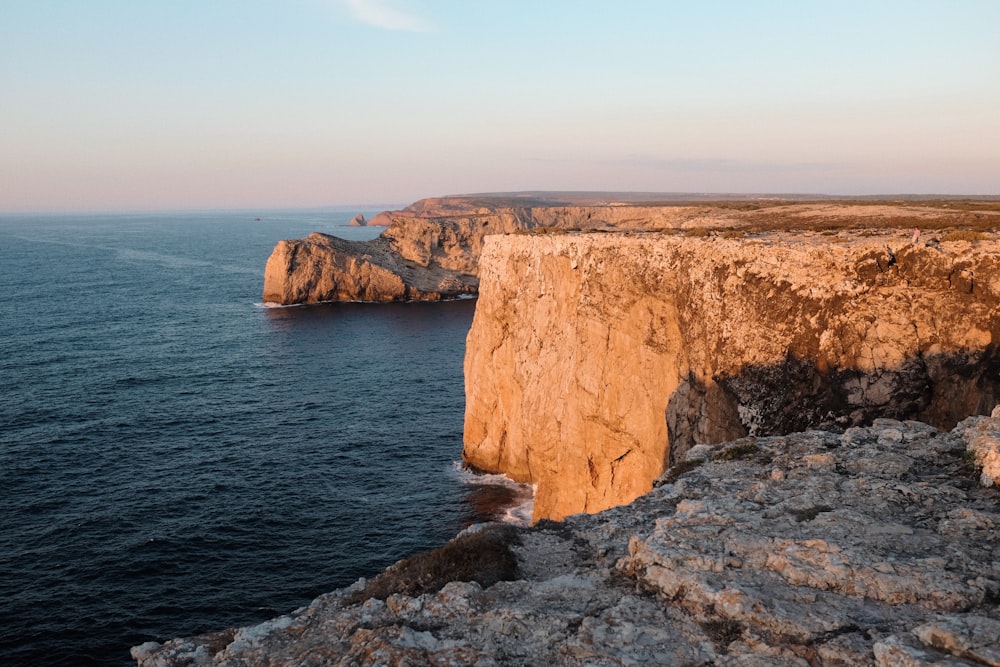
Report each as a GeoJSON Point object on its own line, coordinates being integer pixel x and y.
{"type": "Point", "coordinates": [521, 514]}
{"type": "Point", "coordinates": [274, 304]}
{"type": "Point", "coordinates": [523, 494]}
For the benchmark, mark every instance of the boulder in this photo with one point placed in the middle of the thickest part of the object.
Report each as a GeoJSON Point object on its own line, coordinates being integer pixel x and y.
{"type": "Point", "coordinates": [875, 546]}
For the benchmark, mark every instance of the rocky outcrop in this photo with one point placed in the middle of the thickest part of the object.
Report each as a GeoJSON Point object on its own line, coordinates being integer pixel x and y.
{"type": "Point", "coordinates": [358, 221]}
{"type": "Point", "coordinates": [429, 251]}
{"type": "Point", "coordinates": [413, 259]}
{"type": "Point", "coordinates": [383, 219]}
{"type": "Point", "coordinates": [595, 360]}
{"type": "Point", "coordinates": [875, 546]}
{"type": "Point", "coordinates": [327, 268]}
{"type": "Point", "coordinates": [432, 246]}
{"type": "Point", "coordinates": [984, 450]}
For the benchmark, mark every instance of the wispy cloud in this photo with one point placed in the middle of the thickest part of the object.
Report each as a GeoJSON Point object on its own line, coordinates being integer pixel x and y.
{"type": "Point", "coordinates": [381, 14]}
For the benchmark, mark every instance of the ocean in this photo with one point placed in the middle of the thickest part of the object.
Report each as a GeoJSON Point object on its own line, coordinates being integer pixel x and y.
{"type": "Point", "coordinates": [177, 458]}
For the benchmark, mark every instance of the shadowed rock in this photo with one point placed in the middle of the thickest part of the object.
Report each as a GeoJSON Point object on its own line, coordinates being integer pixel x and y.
{"type": "Point", "coordinates": [595, 360]}
{"type": "Point", "coordinates": [875, 546]}
{"type": "Point", "coordinates": [483, 557]}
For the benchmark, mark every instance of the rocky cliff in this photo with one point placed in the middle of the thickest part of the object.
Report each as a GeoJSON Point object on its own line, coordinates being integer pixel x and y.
{"type": "Point", "coordinates": [596, 359]}
{"type": "Point", "coordinates": [430, 250]}
{"type": "Point", "coordinates": [875, 546]}
{"type": "Point", "coordinates": [428, 253]}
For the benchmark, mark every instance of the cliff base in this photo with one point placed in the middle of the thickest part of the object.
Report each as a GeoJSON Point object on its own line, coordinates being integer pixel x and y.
{"type": "Point", "coordinates": [595, 360]}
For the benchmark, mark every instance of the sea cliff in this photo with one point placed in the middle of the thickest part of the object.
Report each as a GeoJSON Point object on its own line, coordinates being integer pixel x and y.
{"type": "Point", "coordinates": [769, 403]}
{"type": "Point", "coordinates": [430, 250]}
{"type": "Point", "coordinates": [595, 360]}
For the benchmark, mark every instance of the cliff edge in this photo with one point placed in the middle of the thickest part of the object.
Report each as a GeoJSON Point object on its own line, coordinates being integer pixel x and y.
{"type": "Point", "coordinates": [429, 251]}
{"type": "Point", "coordinates": [875, 546]}
{"type": "Point", "coordinates": [595, 360]}
{"type": "Point", "coordinates": [747, 378]}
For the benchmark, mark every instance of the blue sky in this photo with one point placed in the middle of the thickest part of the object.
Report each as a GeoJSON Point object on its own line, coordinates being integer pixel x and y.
{"type": "Point", "coordinates": [164, 104]}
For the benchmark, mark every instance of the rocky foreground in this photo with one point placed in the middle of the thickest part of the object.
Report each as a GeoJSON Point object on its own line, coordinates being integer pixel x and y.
{"type": "Point", "coordinates": [876, 546]}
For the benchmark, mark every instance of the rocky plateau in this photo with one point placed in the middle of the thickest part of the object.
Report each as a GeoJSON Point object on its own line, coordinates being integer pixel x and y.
{"type": "Point", "coordinates": [877, 545]}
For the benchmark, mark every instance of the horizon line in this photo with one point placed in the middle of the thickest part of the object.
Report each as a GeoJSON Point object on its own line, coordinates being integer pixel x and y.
{"type": "Point", "coordinates": [672, 196]}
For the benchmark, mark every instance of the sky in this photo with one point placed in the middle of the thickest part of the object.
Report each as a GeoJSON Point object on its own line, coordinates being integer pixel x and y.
{"type": "Point", "coordinates": [112, 105]}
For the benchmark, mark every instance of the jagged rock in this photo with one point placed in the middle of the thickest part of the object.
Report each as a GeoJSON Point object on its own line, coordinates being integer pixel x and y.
{"type": "Point", "coordinates": [594, 360]}
{"type": "Point", "coordinates": [983, 445]}
{"type": "Point", "coordinates": [875, 546]}
{"type": "Point", "coordinates": [327, 268]}
{"type": "Point", "coordinates": [419, 257]}
{"type": "Point", "coordinates": [383, 219]}
{"type": "Point", "coordinates": [358, 221]}
{"type": "Point", "coordinates": [434, 239]}
{"type": "Point", "coordinates": [948, 640]}
{"type": "Point", "coordinates": [434, 244]}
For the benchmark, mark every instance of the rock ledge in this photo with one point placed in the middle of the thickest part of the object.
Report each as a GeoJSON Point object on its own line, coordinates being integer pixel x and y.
{"type": "Point", "coordinates": [875, 546]}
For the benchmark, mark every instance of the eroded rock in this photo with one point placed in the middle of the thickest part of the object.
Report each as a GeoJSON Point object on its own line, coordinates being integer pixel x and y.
{"type": "Point", "coordinates": [430, 250]}
{"type": "Point", "coordinates": [433, 245]}
{"type": "Point", "coordinates": [982, 438]}
{"type": "Point", "coordinates": [595, 360]}
{"type": "Point", "coordinates": [835, 561]}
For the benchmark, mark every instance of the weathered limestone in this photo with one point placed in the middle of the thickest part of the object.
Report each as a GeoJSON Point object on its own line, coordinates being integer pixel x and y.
{"type": "Point", "coordinates": [327, 268]}
{"type": "Point", "coordinates": [595, 359]}
{"type": "Point", "coordinates": [875, 546]}
{"type": "Point", "coordinates": [429, 251]}
{"type": "Point", "coordinates": [433, 245]}
{"type": "Point", "coordinates": [984, 448]}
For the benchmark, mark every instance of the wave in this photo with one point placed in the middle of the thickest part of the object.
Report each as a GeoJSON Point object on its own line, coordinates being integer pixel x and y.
{"type": "Point", "coordinates": [273, 304]}
{"type": "Point", "coordinates": [498, 496]}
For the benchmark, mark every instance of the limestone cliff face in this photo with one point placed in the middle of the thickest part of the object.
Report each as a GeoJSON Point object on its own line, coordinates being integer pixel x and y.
{"type": "Point", "coordinates": [327, 268]}
{"type": "Point", "coordinates": [433, 246]}
{"type": "Point", "coordinates": [430, 250]}
{"type": "Point", "coordinates": [596, 359]}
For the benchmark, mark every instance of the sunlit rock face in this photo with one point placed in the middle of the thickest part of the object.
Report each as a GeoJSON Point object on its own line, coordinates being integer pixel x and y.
{"type": "Point", "coordinates": [805, 518]}
{"type": "Point", "coordinates": [326, 268]}
{"type": "Point", "coordinates": [594, 360]}
{"type": "Point", "coordinates": [430, 250]}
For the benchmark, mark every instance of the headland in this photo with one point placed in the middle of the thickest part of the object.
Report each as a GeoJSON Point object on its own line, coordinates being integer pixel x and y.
{"type": "Point", "coordinates": [766, 427]}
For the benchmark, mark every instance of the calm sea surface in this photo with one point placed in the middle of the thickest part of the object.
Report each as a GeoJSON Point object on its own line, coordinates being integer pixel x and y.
{"type": "Point", "coordinates": [176, 458]}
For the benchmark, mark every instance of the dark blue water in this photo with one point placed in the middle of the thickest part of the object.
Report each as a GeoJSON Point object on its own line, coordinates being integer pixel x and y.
{"type": "Point", "coordinates": [176, 458]}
